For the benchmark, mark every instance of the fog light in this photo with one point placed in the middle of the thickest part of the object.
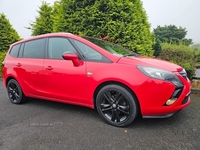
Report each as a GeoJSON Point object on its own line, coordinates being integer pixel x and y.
{"type": "Point", "coordinates": [171, 101]}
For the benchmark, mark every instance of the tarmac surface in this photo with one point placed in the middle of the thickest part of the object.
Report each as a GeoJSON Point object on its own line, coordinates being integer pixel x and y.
{"type": "Point", "coordinates": [45, 125]}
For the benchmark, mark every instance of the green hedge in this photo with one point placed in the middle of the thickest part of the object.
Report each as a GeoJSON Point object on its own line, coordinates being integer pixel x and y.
{"type": "Point", "coordinates": [197, 58]}
{"type": "Point", "coordinates": [181, 55]}
{"type": "Point", "coordinates": [2, 56]}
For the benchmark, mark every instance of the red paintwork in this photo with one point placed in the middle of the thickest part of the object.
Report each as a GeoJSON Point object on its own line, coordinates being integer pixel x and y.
{"type": "Point", "coordinates": [147, 61]}
{"type": "Point", "coordinates": [61, 81]}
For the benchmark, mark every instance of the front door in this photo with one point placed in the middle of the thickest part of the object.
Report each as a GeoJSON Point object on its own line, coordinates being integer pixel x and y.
{"type": "Point", "coordinates": [62, 79]}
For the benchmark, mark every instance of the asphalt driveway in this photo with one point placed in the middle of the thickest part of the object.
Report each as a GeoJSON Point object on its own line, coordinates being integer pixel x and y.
{"type": "Point", "coordinates": [45, 125]}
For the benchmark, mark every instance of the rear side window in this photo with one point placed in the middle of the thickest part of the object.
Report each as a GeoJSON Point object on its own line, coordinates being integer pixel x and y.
{"type": "Point", "coordinates": [34, 49]}
{"type": "Point", "coordinates": [15, 50]}
{"type": "Point", "coordinates": [21, 50]}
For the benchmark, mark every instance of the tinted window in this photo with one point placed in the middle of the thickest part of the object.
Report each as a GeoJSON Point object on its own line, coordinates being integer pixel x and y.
{"type": "Point", "coordinates": [89, 53]}
{"type": "Point", "coordinates": [14, 51]}
{"type": "Point", "coordinates": [111, 47]}
{"type": "Point", "coordinates": [57, 46]}
{"type": "Point", "coordinates": [34, 49]}
{"type": "Point", "coordinates": [21, 50]}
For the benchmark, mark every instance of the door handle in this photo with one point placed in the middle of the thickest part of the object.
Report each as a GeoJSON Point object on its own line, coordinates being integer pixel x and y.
{"type": "Point", "coordinates": [18, 65]}
{"type": "Point", "coordinates": [48, 68]}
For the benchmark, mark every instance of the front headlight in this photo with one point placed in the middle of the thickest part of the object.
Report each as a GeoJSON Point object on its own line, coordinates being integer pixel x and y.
{"type": "Point", "coordinates": [161, 75]}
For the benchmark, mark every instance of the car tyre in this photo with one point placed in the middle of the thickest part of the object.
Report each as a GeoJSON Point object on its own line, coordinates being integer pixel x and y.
{"type": "Point", "coordinates": [15, 92]}
{"type": "Point", "coordinates": [116, 105]}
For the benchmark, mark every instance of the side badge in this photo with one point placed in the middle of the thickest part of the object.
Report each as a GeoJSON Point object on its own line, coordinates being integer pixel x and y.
{"type": "Point", "coordinates": [89, 74]}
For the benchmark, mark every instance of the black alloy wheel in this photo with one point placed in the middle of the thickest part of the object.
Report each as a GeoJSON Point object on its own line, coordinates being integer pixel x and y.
{"type": "Point", "coordinates": [116, 105]}
{"type": "Point", "coordinates": [15, 92]}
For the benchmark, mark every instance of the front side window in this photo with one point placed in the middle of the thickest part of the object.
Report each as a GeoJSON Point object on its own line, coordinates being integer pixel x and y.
{"type": "Point", "coordinates": [89, 53]}
{"type": "Point", "coordinates": [15, 50]}
{"type": "Point", "coordinates": [34, 49]}
{"type": "Point", "coordinates": [58, 46]}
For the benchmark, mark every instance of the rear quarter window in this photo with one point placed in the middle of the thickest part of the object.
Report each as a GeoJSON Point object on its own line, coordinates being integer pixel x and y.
{"type": "Point", "coordinates": [14, 50]}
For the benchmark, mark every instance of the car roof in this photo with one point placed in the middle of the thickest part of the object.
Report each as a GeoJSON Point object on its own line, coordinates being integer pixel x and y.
{"type": "Point", "coordinates": [60, 34]}
{"type": "Point", "coordinates": [112, 57]}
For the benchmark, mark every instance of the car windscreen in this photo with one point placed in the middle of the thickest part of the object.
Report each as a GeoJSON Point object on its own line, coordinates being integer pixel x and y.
{"type": "Point", "coordinates": [111, 47]}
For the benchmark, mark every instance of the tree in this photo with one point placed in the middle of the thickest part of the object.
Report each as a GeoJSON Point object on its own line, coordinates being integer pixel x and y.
{"type": "Point", "coordinates": [157, 48]}
{"type": "Point", "coordinates": [8, 34]}
{"type": "Point", "coordinates": [44, 22]}
{"type": "Point", "coordinates": [172, 34]}
{"type": "Point", "coordinates": [123, 22]}
{"type": "Point", "coordinates": [55, 13]}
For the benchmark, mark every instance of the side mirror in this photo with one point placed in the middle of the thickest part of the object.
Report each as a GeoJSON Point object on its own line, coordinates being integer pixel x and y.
{"type": "Point", "coordinates": [73, 57]}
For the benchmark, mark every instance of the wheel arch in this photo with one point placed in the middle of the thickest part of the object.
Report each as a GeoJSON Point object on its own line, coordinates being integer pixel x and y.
{"type": "Point", "coordinates": [9, 78]}
{"type": "Point", "coordinates": [98, 88]}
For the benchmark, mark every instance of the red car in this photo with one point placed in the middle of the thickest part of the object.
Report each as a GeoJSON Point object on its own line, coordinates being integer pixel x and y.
{"type": "Point", "coordinates": [85, 71]}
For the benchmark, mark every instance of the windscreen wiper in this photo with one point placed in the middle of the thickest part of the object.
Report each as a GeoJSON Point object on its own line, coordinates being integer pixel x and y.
{"type": "Point", "coordinates": [132, 54]}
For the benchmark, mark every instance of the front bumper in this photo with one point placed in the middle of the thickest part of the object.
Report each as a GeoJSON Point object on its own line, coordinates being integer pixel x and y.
{"type": "Point", "coordinates": [153, 94]}
{"type": "Point", "coordinates": [161, 116]}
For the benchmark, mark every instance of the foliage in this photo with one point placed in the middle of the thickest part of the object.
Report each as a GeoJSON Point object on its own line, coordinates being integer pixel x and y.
{"type": "Point", "coordinates": [197, 65]}
{"type": "Point", "coordinates": [8, 34]}
{"type": "Point", "coordinates": [123, 22]}
{"type": "Point", "coordinates": [181, 55]}
{"type": "Point", "coordinates": [56, 12]}
{"type": "Point", "coordinates": [196, 47]}
{"type": "Point", "coordinates": [157, 48]}
{"type": "Point", "coordinates": [44, 22]}
{"type": "Point", "coordinates": [172, 34]}
{"type": "Point", "coordinates": [2, 56]}
{"type": "Point", "coordinates": [197, 56]}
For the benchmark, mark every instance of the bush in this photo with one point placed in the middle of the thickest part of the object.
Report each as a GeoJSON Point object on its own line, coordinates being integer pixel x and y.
{"type": "Point", "coordinates": [181, 55]}
{"type": "Point", "coordinates": [197, 56]}
{"type": "Point", "coordinates": [2, 56]}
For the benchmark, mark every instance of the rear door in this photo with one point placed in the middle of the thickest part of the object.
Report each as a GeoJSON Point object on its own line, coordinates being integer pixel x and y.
{"type": "Point", "coordinates": [29, 65]}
